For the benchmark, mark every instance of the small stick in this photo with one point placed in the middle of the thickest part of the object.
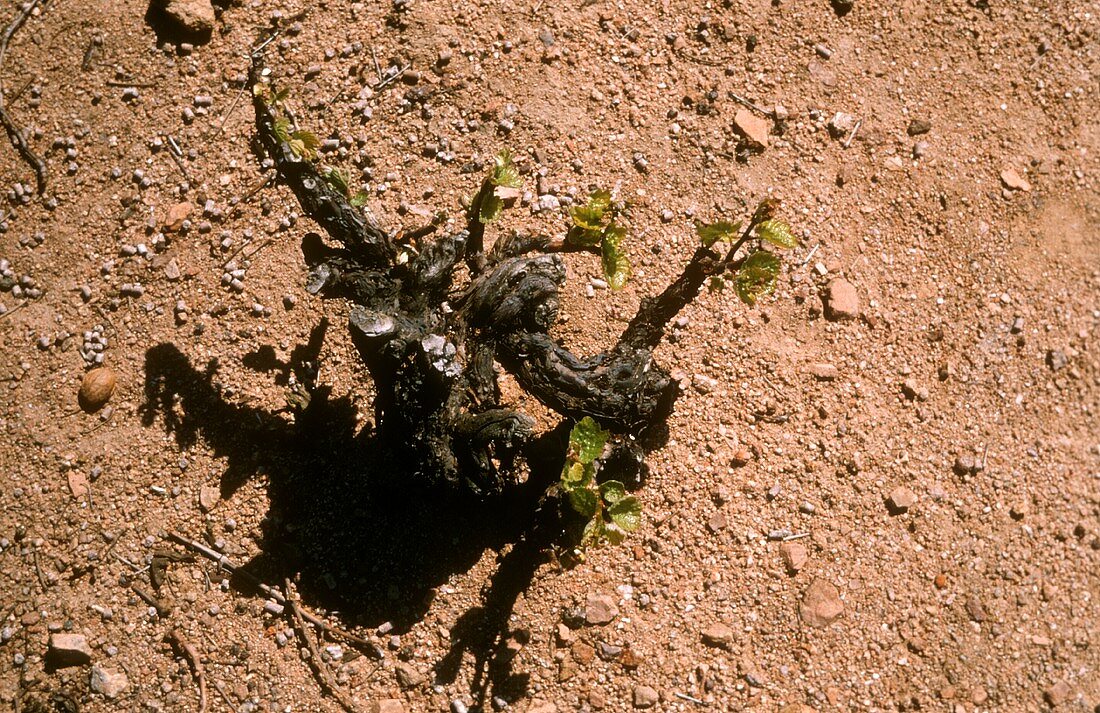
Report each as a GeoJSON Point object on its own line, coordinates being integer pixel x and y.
{"type": "Point", "coordinates": [377, 67]}
{"type": "Point", "coordinates": [38, 570]}
{"type": "Point", "coordinates": [810, 256]}
{"type": "Point", "coordinates": [13, 310]}
{"type": "Point", "coordinates": [796, 536]}
{"type": "Point", "coordinates": [180, 165]}
{"type": "Point", "coordinates": [89, 54]}
{"type": "Point", "coordinates": [848, 141]}
{"type": "Point", "coordinates": [745, 102]}
{"type": "Point", "coordinates": [9, 33]}
{"type": "Point", "coordinates": [189, 652]}
{"type": "Point", "coordinates": [686, 697]}
{"type": "Point", "coordinates": [390, 80]}
{"type": "Point", "coordinates": [227, 564]}
{"type": "Point", "coordinates": [324, 676]}
{"type": "Point", "coordinates": [162, 609]}
{"type": "Point", "coordinates": [135, 85]}
{"type": "Point", "coordinates": [229, 111]}
{"type": "Point", "coordinates": [15, 134]}
{"type": "Point", "coordinates": [251, 194]}
{"type": "Point", "coordinates": [173, 145]}
{"type": "Point", "coordinates": [221, 691]}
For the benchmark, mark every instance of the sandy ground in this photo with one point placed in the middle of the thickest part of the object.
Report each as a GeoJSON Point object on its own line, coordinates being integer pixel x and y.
{"type": "Point", "coordinates": [935, 461]}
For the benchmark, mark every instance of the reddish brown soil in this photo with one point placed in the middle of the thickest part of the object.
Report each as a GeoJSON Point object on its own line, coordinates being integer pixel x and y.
{"type": "Point", "coordinates": [976, 345]}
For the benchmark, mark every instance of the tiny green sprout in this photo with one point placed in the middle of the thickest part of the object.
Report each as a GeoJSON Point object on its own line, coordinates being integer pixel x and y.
{"type": "Point", "coordinates": [608, 510]}
{"type": "Point", "coordinates": [757, 274]}
{"type": "Point", "coordinates": [501, 187]}
{"type": "Point", "coordinates": [304, 144]}
{"type": "Point", "coordinates": [756, 277]}
{"type": "Point", "coordinates": [594, 225]}
{"type": "Point", "coordinates": [722, 231]}
{"type": "Point", "coordinates": [338, 180]}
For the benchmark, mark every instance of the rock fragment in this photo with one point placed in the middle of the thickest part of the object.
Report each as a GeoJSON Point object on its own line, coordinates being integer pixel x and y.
{"type": "Point", "coordinates": [900, 500]}
{"type": "Point", "coordinates": [172, 270]}
{"type": "Point", "coordinates": [821, 604]}
{"type": "Point", "coordinates": [718, 634]}
{"type": "Point", "coordinates": [1057, 693]}
{"type": "Point", "coordinates": [194, 17]}
{"type": "Point", "coordinates": [408, 676]}
{"type": "Point", "coordinates": [1014, 181]}
{"type": "Point", "coordinates": [841, 125]}
{"type": "Point", "coordinates": [68, 650]}
{"type": "Point", "coordinates": [600, 609]}
{"type": "Point", "coordinates": [108, 682]}
{"type": "Point", "coordinates": [645, 697]}
{"type": "Point", "coordinates": [822, 371]}
{"type": "Point", "coordinates": [794, 556]}
{"type": "Point", "coordinates": [208, 498]}
{"type": "Point", "coordinates": [975, 609]}
{"type": "Point", "coordinates": [388, 705]}
{"type": "Point", "coordinates": [918, 126]}
{"type": "Point", "coordinates": [754, 128]}
{"type": "Point", "coordinates": [841, 300]}
{"type": "Point", "coordinates": [177, 214]}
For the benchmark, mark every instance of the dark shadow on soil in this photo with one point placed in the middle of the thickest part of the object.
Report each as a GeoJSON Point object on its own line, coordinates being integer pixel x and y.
{"type": "Point", "coordinates": [343, 524]}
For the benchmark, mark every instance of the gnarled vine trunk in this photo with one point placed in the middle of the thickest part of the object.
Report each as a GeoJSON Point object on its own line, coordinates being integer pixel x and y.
{"type": "Point", "coordinates": [432, 347]}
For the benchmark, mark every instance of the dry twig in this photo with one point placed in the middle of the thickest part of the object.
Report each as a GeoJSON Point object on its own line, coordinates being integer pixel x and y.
{"type": "Point", "coordinates": [15, 132]}
{"type": "Point", "coordinates": [324, 675]}
{"type": "Point", "coordinates": [189, 652]}
{"type": "Point", "coordinates": [225, 563]}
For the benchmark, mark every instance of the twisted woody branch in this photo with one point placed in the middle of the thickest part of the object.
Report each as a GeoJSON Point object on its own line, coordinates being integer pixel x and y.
{"type": "Point", "coordinates": [433, 347]}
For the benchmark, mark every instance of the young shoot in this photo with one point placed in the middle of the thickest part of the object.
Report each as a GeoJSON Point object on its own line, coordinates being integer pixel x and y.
{"type": "Point", "coordinates": [754, 276]}
{"type": "Point", "coordinates": [609, 513]}
{"type": "Point", "coordinates": [594, 225]}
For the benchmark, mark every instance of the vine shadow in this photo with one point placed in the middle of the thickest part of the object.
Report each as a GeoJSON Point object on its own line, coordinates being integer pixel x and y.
{"type": "Point", "coordinates": [356, 537]}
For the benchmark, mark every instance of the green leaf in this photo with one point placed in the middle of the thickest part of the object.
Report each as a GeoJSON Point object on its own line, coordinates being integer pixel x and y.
{"type": "Point", "coordinates": [586, 237]}
{"type": "Point", "coordinates": [577, 475]}
{"type": "Point", "coordinates": [491, 208]}
{"type": "Point", "coordinates": [338, 180]}
{"type": "Point", "coordinates": [304, 144]}
{"type": "Point", "coordinates": [593, 532]}
{"type": "Point", "coordinates": [599, 199]}
{"type": "Point", "coordinates": [626, 513]}
{"type": "Point", "coordinates": [278, 97]}
{"type": "Point", "coordinates": [359, 199]}
{"type": "Point", "coordinates": [711, 233]}
{"type": "Point", "coordinates": [584, 501]}
{"type": "Point", "coordinates": [586, 440]}
{"type": "Point", "coordinates": [757, 276]}
{"type": "Point", "coordinates": [612, 491]}
{"type": "Point", "coordinates": [587, 218]}
{"type": "Point", "coordinates": [717, 283]}
{"type": "Point", "coordinates": [613, 533]}
{"type": "Point", "coordinates": [616, 265]}
{"type": "Point", "coordinates": [504, 171]}
{"type": "Point", "coordinates": [777, 232]}
{"type": "Point", "coordinates": [282, 129]}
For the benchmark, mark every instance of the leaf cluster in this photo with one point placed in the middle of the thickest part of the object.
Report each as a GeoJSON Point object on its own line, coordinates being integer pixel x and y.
{"type": "Point", "coordinates": [758, 273]}
{"type": "Point", "coordinates": [594, 225]}
{"type": "Point", "coordinates": [609, 512]}
{"type": "Point", "coordinates": [500, 187]}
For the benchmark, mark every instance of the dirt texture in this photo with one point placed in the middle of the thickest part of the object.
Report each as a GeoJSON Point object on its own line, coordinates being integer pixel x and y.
{"type": "Point", "coordinates": [880, 488]}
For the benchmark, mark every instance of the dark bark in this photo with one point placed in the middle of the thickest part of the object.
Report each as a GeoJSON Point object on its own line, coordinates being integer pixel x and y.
{"type": "Point", "coordinates": [433, 347]}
